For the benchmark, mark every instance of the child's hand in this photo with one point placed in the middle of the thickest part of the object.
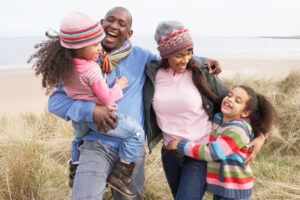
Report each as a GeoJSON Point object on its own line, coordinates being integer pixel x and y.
{"type": "Point", "coordinates": [122, 82]}
{"type": "Point", "coordinates": [172, 145]}
{"type": "Point", "coordinates": [112, 107]}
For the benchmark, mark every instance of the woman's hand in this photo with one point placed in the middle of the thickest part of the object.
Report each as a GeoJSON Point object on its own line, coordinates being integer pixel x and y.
{"type": "Point", "coordinates": [213, 66]}
{"type": "Point", "coordinates": [257, 144]}
{"type": "Point", "coordinates": [172, 145]}
{"type": "Point", "coordinates": [102, 116]}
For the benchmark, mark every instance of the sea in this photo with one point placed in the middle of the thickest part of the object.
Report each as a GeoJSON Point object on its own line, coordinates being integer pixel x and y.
{"type": "Point", "coordinates": [15, 51]}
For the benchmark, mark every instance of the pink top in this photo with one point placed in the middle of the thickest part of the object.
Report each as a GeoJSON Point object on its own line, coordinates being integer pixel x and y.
{"type": "Point", "coordinates": [178, 107]}
{"type": "Point", "coordinates": [85, 81]}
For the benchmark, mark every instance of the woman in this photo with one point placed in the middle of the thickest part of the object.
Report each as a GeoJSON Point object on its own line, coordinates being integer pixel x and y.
{"type": "Point", "coordinates": [180, 99]}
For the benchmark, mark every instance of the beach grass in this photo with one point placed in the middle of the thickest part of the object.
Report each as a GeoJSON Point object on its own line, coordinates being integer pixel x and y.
{"type": "Point", "coordinates": [35, 150]}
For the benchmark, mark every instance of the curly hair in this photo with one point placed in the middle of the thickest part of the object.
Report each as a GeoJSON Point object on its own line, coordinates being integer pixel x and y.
{"type": "Point", "coordinates": [52, 61]}
{"type": "Point", "coordinates": [262, 113]}
{"type": "Point", "coordinates": [198, 77]}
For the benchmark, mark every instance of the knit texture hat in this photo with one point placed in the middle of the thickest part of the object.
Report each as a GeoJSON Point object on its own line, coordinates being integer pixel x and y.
{"type": "Point", "coordinates": [78, 30]}
{"type": "Point", "coordinates": [172, 38]}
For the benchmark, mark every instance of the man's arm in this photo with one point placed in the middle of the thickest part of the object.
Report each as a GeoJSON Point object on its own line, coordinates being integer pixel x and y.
{"type": "Point", "coordinates": [69, 109]}
{"type": "Point", "coordinates": [213, 66]}
{"type": "Point", "coordinates": [79, 110]}
{"type": "Point", "coordinates": [257, 144]}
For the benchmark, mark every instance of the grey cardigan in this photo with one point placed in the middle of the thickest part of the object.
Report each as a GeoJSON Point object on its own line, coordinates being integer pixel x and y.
{"type": "Point", "coordinates": [153, 132]}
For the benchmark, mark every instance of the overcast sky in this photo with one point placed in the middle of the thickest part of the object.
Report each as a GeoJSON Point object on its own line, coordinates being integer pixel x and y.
{"type": "Point", "coordinates": [202, 17]}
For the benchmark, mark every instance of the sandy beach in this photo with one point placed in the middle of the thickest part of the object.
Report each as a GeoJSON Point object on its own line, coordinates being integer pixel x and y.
{"type": "Point", "coordinates": [21, 91]}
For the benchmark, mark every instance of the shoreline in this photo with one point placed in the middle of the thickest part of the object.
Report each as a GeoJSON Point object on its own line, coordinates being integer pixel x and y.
{"type": "Point", "coordinates": [21, 90]}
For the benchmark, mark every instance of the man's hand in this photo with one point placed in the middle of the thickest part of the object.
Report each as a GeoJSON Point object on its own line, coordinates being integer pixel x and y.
{"type": "Point", "coordinates": [213, 66]}
{"type": "Point", "coordinates": [172, 145]}
{"type": "Point", "coordinates": [257, 144]}
{"type": "Point", "coordinates": [102, 116]}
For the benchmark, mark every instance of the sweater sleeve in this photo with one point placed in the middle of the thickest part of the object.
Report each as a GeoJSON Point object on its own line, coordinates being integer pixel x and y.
{"type": "Point", "coordinates": [104, 94]}
{"type": "Point", "coordinates": [228, 143]}
{"type": "Point", "coordinates": [77, 110]}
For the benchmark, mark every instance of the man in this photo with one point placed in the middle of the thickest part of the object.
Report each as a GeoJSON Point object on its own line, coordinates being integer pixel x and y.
{"type": "Point", "coordinates": [99, 153]}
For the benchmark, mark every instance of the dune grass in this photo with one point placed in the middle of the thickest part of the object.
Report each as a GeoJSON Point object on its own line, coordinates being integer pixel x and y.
{"type": "Point", "coordinates": [35, 152]}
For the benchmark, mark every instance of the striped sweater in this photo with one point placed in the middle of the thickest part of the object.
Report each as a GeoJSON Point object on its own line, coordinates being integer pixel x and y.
{"type": "Point", "coordinates": [85, 81]}
{"type": "Point", "coordinates": [226, 152]}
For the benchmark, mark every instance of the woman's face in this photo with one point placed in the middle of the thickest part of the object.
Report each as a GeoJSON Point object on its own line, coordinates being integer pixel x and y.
{"type": "Point", "coordinates": [179, 61]}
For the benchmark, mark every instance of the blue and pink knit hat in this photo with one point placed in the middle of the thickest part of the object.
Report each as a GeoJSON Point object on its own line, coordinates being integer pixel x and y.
{"type": "Point", "coordinates": [78, 30]}
{"type": "Point", "coordinates": [172, 38]}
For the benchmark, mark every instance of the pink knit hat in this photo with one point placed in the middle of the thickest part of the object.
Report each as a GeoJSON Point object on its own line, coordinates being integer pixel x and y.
{"type": "Point", "coordinates": [78, 30]}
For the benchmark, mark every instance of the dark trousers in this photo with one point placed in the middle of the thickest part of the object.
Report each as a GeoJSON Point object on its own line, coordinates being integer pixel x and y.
{"type": "Point", "coordinates": [186, 176]}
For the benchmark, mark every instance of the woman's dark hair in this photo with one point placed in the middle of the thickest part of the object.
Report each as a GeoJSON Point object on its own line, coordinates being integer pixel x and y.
{"type": "Point", "coordinates": [197, 76]}
{"type": "Point", "coordinates": [262, 113]}
{"type": "Point", "coordinates": [52, 61]}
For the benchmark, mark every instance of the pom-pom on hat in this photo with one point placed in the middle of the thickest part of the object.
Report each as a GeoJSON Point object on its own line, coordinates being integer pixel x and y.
{"type": "Point", "coordinates": [78, 30]}
{"type": "Point", "coordinates": [172, 38]}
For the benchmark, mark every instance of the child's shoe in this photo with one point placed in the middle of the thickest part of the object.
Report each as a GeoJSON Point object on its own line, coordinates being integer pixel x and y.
{"type": "Point", "coordinates": [120, 179]}
{"type": "Point", "coordinates": [72, 168]}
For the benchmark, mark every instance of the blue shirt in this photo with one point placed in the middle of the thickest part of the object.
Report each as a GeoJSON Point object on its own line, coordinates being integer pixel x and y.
{"type": "Point", "coordinates": [132, 67]}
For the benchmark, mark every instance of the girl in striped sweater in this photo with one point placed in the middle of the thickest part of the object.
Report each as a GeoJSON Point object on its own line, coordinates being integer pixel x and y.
{"type": "Point", "coordinates": [70, 58]}
{"type": "Point", "coordinates": [243, 113]}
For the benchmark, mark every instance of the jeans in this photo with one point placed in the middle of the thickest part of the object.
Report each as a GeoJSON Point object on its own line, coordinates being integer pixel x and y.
{"type": "Point", "coordinates": [96, 162]}
{"type": "Point", "coordinates": [186, 176]}
{"type": "Point", "coordinates": [217, 197]}
{"type": "Point", "coordinates": [129, 130]}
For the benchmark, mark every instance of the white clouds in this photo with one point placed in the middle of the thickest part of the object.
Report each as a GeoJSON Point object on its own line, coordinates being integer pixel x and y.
{"type": "Point", "coordinates": [202, 17]}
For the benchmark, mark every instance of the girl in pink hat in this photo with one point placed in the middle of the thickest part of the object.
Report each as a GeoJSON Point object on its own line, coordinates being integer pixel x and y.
{"type": "Point", "coordinates": [69, 60]}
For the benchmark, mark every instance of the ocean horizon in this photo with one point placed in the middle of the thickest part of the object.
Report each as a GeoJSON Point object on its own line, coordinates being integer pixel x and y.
{"type": "Point", "coordinates": [17, 50]}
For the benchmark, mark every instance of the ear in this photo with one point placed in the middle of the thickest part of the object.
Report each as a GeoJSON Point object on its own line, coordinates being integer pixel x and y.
{"type": "Point", "coordinates": [245, 113]}
{"type": "Point", "coordinates": [101, 21]}
{"type": "Point", "coordinates": [129, 34]}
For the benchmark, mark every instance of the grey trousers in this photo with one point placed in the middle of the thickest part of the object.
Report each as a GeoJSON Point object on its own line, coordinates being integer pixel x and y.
{"type": "Point", "coordinates": [96, 162]}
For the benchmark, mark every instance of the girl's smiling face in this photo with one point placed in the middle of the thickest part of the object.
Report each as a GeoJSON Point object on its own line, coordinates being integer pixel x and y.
{"type": "Point", "coordinates": [233, 105]}
{"type": "Point", "coordinates": [90, 52]}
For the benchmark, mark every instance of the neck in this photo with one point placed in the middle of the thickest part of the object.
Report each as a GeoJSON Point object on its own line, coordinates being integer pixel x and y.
{"type": "Point", "coordinates": [110, 50]}
{"type": "Point", "coordinates": [227, 119]}
{"type": "Point", "coordinates": [107, 50]}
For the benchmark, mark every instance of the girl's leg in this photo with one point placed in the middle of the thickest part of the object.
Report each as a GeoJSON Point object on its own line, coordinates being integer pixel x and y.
{"type": "Point", "coordinates": [132, 135]}
{"type": "Point", "coordinates": [193, 180]}
{"type": "Point", "coordinates": [74, 150]}
{"type": "Point", "coordinates": [129, 130]}
{"type": "Point", "coordinates": [172, 166]}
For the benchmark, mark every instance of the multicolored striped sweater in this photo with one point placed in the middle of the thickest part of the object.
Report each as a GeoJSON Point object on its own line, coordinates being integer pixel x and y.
{"type": "Point", "coordinates": [226, 152]}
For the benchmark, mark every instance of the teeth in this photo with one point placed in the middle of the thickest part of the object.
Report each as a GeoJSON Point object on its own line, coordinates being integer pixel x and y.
{"type": "Point", "coordinates": [113, 34]}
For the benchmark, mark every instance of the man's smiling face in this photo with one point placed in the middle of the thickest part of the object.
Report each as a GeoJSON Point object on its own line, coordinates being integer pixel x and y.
{"type": "Point", "coordinates": [117, 27]}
